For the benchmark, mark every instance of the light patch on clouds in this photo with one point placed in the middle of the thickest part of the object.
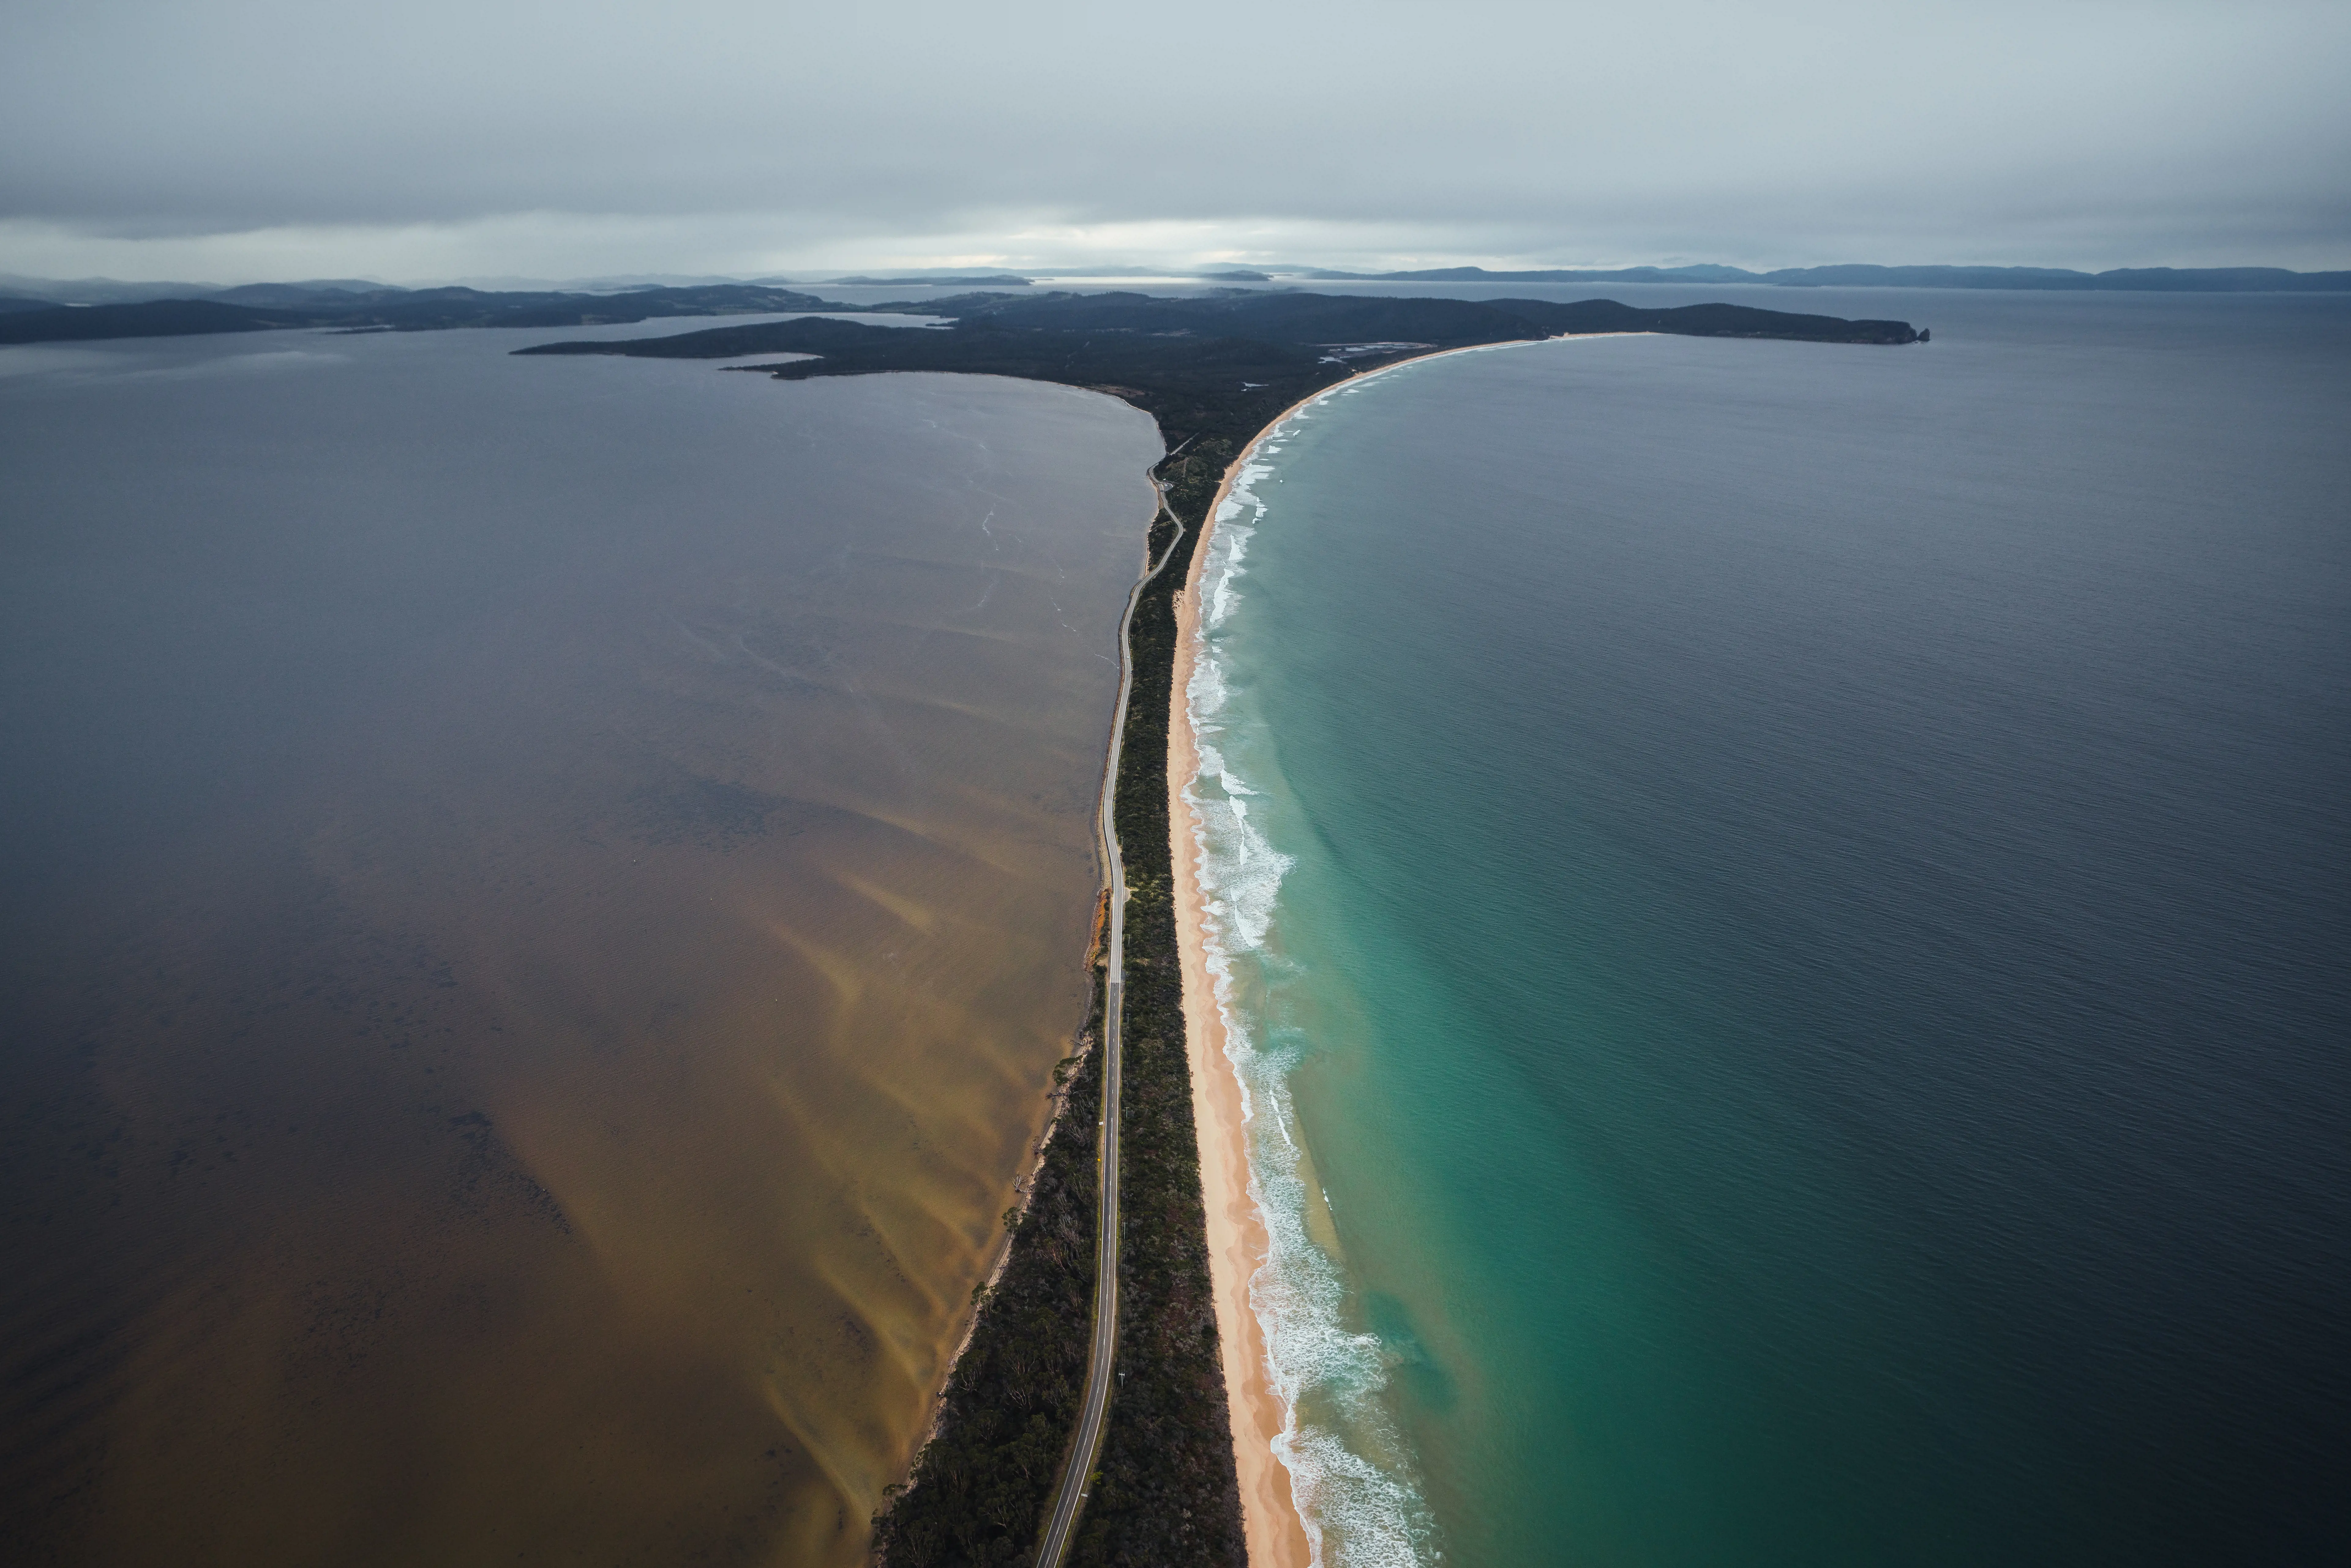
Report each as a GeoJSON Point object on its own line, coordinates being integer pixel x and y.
{"type": "Point", "coordinates": [260, 139]}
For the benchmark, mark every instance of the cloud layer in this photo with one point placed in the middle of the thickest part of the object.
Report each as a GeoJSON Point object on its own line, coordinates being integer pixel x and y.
{"type": "Point", "coordinates": [253, 138]}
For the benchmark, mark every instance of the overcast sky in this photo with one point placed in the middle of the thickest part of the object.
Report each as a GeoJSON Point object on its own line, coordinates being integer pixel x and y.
{"type": "Point", "coordinates": [230, 141]}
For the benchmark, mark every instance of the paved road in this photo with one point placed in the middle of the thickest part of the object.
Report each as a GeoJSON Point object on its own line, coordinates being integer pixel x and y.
{"type": "Point", "coordinates": [1069, 1500]}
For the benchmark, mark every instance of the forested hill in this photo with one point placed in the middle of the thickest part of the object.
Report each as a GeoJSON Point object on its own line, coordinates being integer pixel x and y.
{"type": "Point", "coordinates": [268, 307]}
{"type": "Point", "coordinates": [1220, 366]}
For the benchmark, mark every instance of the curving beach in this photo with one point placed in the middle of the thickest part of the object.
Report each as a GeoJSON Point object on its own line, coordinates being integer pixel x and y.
{"type": "Point", "coordinates": [1238, 1239]}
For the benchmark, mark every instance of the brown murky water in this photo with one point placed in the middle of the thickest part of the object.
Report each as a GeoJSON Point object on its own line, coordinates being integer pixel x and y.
{"type": "Point", "coordinates": [541, 897]}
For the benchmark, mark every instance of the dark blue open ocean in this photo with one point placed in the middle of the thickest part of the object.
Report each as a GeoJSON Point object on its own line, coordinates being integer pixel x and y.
{"type": "Point", "coordinates": [1789, 916]}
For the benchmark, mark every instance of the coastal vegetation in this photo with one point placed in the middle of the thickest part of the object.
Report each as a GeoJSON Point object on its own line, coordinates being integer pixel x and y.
{"type": "Point", "coordinates": [1165, 1490]}
{"type": "Point", "coordinates": [1005, 1417]}
{"type": "Point", "coordinates": [1168, 1491]}
{"type": "Point", "coordinates": [1211, 368]}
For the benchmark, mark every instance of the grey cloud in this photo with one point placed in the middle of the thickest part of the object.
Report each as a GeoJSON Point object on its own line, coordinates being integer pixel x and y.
{"type": "Point", "coordinates": [1989, 132]}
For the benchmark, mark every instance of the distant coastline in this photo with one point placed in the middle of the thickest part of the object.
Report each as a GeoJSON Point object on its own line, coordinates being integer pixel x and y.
{"type": "Point", "coordinates": [1350, 327]}
{"type": "Point", "coordinates": [360, 300]}
{"type": "Point", "coordinates": [2121, 279]}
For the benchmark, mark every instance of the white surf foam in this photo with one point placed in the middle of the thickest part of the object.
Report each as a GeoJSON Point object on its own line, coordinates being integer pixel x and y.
{"type": "Point", "coordinates": [1360, 1512]}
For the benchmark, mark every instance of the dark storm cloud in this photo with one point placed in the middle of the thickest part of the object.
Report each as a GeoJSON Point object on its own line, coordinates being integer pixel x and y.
{"type": "Point", "coordinates": [727, 135]}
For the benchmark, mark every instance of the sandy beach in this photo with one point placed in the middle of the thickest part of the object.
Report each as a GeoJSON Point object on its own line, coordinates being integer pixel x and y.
{"type": "Point", "coordinates": [1236, 1237]}
{"type": "Point", "coordinates": [1237, 1240]}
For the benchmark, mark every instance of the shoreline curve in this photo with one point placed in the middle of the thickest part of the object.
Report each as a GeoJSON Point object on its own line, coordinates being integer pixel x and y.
{"type": "Point", "coordinates": [1238, 1245]}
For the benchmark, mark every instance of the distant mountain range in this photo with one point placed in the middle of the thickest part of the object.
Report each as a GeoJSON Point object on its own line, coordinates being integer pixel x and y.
{"type": "Point", "coordinates": [2181, 279]}
{"type": "Point", "coordinates": [936, 280]}
{"type": "Point", "coordinates": [149, 308]}
{"type": "Point", "coordinates": [19, 294]}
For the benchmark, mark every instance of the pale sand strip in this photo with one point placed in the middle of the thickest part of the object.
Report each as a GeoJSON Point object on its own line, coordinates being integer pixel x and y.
{"type": "Point", "coordinates": [1236, 1239]}
{"type": "Point", "coordinates": [1236, 1242]}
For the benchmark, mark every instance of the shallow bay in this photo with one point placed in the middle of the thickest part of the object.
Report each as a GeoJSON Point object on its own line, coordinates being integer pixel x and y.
{"type": "Point", "coordinates": [541, 898]}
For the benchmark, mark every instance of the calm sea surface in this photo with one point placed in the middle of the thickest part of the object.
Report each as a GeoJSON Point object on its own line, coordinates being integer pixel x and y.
{"type": "Point", "coordinates": [539, 899]}
{"type": "Point", "coordinates": [1789, 910]}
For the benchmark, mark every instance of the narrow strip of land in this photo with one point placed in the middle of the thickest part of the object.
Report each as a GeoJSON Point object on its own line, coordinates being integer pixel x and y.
{"type": "Point", "coordinates": [1070, 1499]}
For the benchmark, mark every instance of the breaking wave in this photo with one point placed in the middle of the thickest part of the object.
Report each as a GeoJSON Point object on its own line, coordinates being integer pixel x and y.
{"type": "Point", "coordinates": [1356, 1491]}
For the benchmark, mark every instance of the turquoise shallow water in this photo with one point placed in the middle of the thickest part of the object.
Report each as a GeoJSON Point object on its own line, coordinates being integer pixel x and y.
{"type": "Point", "coordinates": [1784, 910]}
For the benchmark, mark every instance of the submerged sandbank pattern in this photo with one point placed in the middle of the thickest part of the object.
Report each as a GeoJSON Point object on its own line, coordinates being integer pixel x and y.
{"type": "Point", "coordinates": [552, 889]}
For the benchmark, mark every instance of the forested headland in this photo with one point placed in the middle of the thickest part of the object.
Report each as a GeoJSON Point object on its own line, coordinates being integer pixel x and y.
{"type": "Point", "coordinates": [1219, 366]}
